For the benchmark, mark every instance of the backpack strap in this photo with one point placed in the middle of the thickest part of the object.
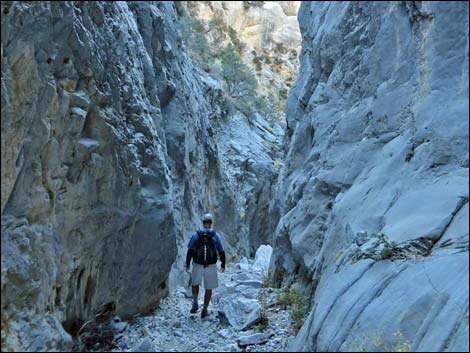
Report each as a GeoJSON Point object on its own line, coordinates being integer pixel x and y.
{"type": "Point", "coordinates": [211, 232]}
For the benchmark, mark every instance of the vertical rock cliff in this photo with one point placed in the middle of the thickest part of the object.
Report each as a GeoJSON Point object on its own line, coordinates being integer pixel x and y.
{"type": "Point", "coordinates": [374, 195]}
{"type": "Point", "coordinates": [108, 159]}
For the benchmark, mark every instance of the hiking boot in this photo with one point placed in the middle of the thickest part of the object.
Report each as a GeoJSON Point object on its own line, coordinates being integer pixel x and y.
{"type": "Point", "coordinates": [204, 313]}
{"type": "Point", "coordinates": [194, 308]}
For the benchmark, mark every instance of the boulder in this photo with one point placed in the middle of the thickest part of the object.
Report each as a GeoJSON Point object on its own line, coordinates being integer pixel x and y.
{"type": "Point", "coordinates": [119, 326]}
{"type": "Point", "coordinates": [240, 312]}
{"type": "Point", "coordinates": [257, 338]}
{"type": "Point", "coordinates": [262, 259]}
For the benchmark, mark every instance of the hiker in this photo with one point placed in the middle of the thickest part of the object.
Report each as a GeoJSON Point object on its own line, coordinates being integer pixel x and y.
{"type": "Point", "coordinates": [202, 249]}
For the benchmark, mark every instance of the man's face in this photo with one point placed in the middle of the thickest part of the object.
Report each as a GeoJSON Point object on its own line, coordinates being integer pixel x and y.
{"type": "Point", "coordinates": [207, 224]}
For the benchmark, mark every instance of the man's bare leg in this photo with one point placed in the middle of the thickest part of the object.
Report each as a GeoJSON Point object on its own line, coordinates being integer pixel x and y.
{"type": "Point", "coordinates": [195, 291]}
{"type": "Point", "coordinates": [207, 299]}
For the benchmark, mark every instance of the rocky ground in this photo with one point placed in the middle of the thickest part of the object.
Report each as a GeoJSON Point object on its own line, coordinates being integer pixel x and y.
{"type": "Point", "coordinates": [232, 326]}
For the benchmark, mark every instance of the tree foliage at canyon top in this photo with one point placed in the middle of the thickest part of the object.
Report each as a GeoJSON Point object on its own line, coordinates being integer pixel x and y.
{"type": "Point", "coordinates": [224, 62]}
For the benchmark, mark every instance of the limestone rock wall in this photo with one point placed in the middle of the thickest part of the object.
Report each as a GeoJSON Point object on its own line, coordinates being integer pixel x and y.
{"type": "Point", "coordinates": [108, 160]}
{"type": "Point", "coordinates": [377, 142]}
{"type": "Point", "coordinates": [252, 157]}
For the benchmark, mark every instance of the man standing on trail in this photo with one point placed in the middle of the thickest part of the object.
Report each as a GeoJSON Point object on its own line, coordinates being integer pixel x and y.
{"type": "Point", "coordinates": [202, 249]}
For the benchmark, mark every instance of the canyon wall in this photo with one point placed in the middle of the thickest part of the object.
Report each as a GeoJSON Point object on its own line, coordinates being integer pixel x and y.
{"type": "Point", "coordinates": [108, 160]}
{"type": "Point", "coordinates": [374, 195]}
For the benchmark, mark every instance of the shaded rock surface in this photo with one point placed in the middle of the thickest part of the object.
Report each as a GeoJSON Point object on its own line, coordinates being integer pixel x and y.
{"type": "Point", "coordinates": [252, 156]}
{"type": "Point", "coordinates": [256, 338]}
{"type": "Point", "coordinates": [109, 157]}
{"type": "Point", "coordinates": [377, 142]}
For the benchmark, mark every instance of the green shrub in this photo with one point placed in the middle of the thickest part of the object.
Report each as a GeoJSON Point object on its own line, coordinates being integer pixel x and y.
{"type": "Point", "coordinates": [283, 93]}
{"type": "Point", "coordinates": [239, 46]}
{"type": "Point", "coordinates": [257, 62]}
{"type": "Point", "coordinates": [217, 31]}
{"type": "Point", "coordinates": [388, 246]}
{"type": "Point", "coordinates": [263, 323]}
{"type": "Point", "coordinates": [297, 305]}
{"type": "Point", "coordinates": [267, 282]}
{"type": "Point", "coordinates": [400, 344]}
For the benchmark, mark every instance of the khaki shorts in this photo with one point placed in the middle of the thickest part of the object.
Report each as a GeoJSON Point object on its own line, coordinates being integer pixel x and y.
{"type": "Point", "coordinates": [209, 274]}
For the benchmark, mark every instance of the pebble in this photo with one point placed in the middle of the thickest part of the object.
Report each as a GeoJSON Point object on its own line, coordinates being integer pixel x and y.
{"type": "Point", "coordinates": [224, 333]}
{"type": "Point", "coordinates": [145, 331]}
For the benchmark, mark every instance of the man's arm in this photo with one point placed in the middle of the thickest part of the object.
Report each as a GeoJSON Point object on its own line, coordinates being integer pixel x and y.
{"type": "Point", "coordinates": [190, 253]}
{"type": "Point", "coordinates": [222, 258]}
{"type": "Point", "coordinates": [189, 256]}
{"type": "Point", "coordinates": [220, 249]}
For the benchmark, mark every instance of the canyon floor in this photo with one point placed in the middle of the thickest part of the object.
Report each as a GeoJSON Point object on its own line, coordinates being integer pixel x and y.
{"type": "Point", "coordinates": [171, 327]}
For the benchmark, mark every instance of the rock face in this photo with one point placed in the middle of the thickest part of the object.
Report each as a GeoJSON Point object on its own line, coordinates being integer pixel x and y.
{"type": "Point", "coordinates": [251, 153]}
{"type": "Point", "coordinates": [268, 31]}
{"type": "Point", "coordinates": [108, 159]}
{"type": "Point", "coordinates": [374, 192]}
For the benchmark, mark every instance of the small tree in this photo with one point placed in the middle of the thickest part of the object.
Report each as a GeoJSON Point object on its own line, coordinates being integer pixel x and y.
{"type": "Point", "coordinates": [239, 80]}
{"type": "Point", "coordinates": [239, 46]}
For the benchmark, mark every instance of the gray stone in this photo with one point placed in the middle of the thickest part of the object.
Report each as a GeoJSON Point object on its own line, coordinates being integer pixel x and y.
{"type": "Point", "coordinates": [361, 238]}
{"type": "Point", "coordinates": [250, 283]}
{"type": "Point", "coordinates": [263, 259]}
{"type": "Point", "coordinates": [252, 319]}
{"type": "Point", "coordinates": [231, 347]}
{"type": "Point", "coordinates": [119, 326]}
{"type": "Point", "coordinates": [224, 333]}
{"type": "Point", "coordinates": [239, 311]}
{"type": "Point", "coordinates": [257, 338]}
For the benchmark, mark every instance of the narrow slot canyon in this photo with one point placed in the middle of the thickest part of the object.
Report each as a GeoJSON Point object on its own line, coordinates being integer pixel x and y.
{"type": "Point", "coordinates": [327, 141]}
